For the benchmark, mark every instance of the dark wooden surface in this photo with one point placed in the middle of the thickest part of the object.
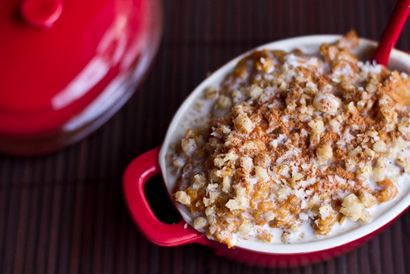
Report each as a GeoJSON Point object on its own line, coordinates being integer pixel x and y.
{"type": "Point", "coordinates": [64, 213]}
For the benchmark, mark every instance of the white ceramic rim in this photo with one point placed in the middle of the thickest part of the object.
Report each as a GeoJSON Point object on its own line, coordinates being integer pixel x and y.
{"type": "Point", "coordinates": [403, 60]}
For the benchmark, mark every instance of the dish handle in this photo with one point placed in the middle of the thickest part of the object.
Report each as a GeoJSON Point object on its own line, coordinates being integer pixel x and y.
{"type": "Point", "coordinates": [137, 174]}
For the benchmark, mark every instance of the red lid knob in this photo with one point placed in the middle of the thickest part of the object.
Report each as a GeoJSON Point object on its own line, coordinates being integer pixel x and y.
{"type": "Point", "coordinates": [41, 13]}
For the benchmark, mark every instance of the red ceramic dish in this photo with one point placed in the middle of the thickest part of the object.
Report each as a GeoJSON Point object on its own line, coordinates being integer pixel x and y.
{"type": "Point", "coordinates": [146, 166]}
{"type": "Point", "coordinates": [67, 66]}
{"type": "Point", "coordinates": [154, 162]}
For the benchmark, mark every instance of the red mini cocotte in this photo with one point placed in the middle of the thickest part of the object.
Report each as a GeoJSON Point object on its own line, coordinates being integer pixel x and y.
{"type": "Point", "coordinates": [155, 162]}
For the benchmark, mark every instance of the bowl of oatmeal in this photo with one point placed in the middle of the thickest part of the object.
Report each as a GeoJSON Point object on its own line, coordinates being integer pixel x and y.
{"type": "Point", "coordinates": [291, 153]}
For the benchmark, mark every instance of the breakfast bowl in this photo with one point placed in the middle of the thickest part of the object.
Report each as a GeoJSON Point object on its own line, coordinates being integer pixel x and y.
{"type": "Point", "coordinates": [345, 235]}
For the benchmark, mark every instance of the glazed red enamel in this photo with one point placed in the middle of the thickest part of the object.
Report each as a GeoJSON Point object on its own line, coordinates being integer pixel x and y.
{"type": "Point", "coordinates": [49, 75]}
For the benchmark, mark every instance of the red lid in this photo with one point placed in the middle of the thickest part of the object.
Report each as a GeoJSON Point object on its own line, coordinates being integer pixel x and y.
{"type": "Point", "coordinates": [56, 56]}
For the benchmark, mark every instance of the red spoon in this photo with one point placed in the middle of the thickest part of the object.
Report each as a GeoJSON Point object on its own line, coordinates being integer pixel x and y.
{"type": "Point", "coordinates": [391, 33]}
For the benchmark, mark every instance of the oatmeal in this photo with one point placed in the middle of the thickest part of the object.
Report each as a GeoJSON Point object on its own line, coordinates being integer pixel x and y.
{"type": "Point", "coordinates": [295, 140]}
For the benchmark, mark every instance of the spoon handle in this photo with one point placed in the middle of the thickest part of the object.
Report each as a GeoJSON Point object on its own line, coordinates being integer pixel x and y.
{"type": "Point", "coordinates": [392, 31]}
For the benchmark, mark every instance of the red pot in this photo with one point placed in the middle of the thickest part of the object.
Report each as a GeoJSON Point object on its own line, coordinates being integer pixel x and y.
{"type": "Point", "coordinates": [67, 66]}
{"type": "Point", "coordinates": [153, 163]}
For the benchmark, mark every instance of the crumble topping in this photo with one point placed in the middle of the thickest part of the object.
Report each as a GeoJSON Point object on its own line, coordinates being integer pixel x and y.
{"type": "Point", "coordinates": [295, 139]}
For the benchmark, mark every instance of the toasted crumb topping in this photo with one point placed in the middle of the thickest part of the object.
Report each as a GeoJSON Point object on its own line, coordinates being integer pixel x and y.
{"type": "Point", "coordinates": [295, 139]}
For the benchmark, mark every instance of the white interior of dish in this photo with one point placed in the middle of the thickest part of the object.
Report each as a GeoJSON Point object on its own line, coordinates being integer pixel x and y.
{"type": "Point", "coordinates": [309, 44]}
